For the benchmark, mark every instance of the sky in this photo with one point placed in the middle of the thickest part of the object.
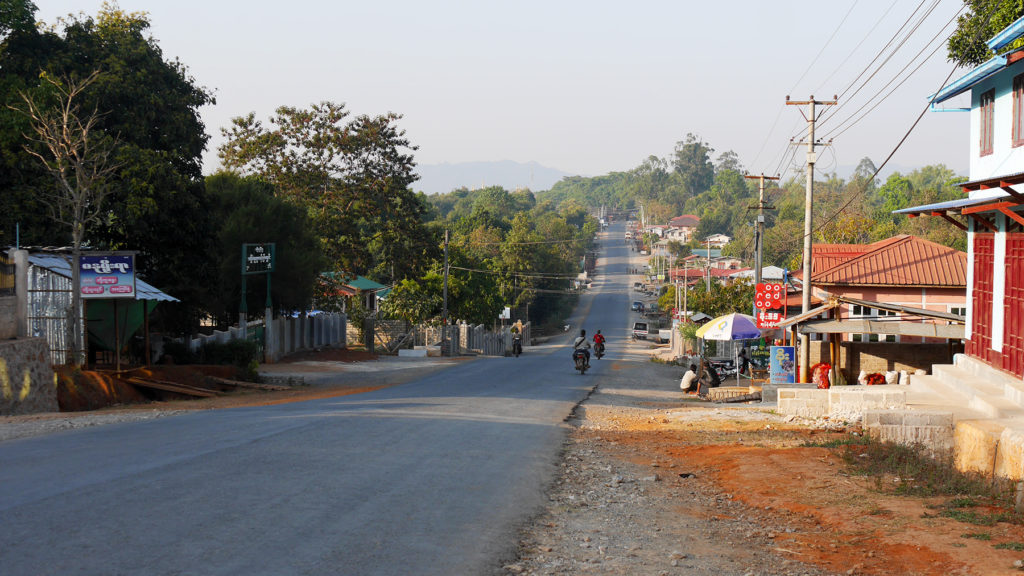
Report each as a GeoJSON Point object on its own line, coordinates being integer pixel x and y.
{"type": "Point", "coordinates": [586, 87]}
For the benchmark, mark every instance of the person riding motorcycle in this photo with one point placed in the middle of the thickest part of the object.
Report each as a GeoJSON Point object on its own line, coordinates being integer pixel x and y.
{"type": "Point", "coordinates": [581, 343]}
{"type": "Point", "coordinates": [599, 343]}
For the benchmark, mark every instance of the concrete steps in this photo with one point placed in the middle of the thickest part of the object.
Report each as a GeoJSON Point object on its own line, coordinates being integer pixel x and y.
{"type": "Point", "coordinates": [966, 409]}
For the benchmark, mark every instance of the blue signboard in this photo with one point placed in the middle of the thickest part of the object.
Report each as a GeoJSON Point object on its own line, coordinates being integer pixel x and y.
{"type": "Point", "coordinates": [782, 365]}
{"type": "Point", "coordinates": [107, 275]}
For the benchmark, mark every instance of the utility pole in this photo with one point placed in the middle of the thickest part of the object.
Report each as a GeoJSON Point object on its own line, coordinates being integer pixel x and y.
{"type": "Point", "coordinates": [812, 158]}
{"type": "Point", "coordinates": [444, 309]}
{"type": "Point", "coordinates": [759, 227]}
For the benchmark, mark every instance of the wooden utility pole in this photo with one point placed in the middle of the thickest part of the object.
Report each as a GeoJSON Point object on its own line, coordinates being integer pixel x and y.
{"type": "Point", "coordinates": [759, 227]}
{"type": "Point", "coordinates": [812, 158]}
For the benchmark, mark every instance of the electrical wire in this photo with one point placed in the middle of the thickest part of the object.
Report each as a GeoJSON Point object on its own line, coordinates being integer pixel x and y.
{"type": "Point", "coordinates": [838, 129]}
{"type": "Point", "coordinates": [859, 44]}
{"type": "Point", "coordinates": [827, 42]}
{"type": "Point", "coordinates": [538, 275]}
{"type": "Point", "coordinates": [824, 119]}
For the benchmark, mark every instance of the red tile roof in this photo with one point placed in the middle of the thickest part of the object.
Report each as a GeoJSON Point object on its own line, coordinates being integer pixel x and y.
{"type": "Point", "coordinates": [902, 260]}
{"type": "Point", "coordinates": [685, 221]}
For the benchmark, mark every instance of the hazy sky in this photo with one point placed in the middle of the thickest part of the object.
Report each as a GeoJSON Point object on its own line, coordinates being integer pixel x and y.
{"type": "Point", "coordinates": [587, 87]}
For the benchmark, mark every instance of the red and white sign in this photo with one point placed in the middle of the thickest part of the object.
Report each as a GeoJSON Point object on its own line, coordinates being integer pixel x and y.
{"type": "Point", "coordinates": [769, 296]}
{"type": "Point", "coordinates": [770, 318]}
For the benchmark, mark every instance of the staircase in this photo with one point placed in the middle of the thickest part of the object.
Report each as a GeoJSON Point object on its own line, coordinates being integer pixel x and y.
{"type": "Point", "coordinates": [967, 407]}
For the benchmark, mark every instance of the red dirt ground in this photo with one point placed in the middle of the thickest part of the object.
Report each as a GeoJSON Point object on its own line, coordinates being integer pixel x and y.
{"type": "Point", "coordinates": [845, 522]}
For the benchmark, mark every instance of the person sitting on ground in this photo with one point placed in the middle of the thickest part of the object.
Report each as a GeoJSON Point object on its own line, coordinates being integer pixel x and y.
{"type": "Point", "coordinates": [686, 384]}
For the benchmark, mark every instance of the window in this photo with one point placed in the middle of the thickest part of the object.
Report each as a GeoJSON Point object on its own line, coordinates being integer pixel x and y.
{"type": "Point", "coordinates": [988, 100]}
{"type": "Point", "coordinates": [1018, 110]}
{"type": "Point", "coordinates": [867, 313]}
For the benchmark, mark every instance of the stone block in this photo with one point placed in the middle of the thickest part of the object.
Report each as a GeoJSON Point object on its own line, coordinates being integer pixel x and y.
{"type": "Point", "coordinates": [1010, 455]}
{"type": "Point", "coordinates": [977, 442]}
{"type": "Point", "coordinates": [27, 383]}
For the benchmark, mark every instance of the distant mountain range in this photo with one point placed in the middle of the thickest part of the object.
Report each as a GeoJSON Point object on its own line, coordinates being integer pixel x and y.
{"type": "Point", "coordinates": [443, 178]}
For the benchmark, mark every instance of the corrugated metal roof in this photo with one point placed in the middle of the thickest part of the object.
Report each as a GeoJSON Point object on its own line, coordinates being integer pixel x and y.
{"type": "Point", "coordinates": [900, 261]}
{"type": "Point", "coordinates": [62, 265]}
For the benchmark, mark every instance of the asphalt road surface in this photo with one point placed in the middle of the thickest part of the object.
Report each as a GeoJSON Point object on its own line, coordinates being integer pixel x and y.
{"type": "Point", "coordinates": [430, 477]}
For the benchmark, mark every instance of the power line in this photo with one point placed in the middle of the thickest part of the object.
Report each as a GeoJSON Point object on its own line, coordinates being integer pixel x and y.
{"type": "Point", "coordinates": [851, 120]}
{"type": "Point", "coordinates": [892, 53]}
{"type": "Point", "coordinates": [827, 42]}
{"type": "Point", "coordinates": [538, 275]}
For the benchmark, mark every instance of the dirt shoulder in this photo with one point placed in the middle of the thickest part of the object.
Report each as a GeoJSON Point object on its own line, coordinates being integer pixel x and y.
{"type": "Point", "coordinates": [655, 482]}
{"type": "Point", "coordinates": [325, 373]}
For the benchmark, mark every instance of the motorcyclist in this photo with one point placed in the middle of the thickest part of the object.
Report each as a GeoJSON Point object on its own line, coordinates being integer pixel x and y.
{"type": "Point", "coordinates": [599, 341]}
{"type": "Point", "coordinates": [581, 343]}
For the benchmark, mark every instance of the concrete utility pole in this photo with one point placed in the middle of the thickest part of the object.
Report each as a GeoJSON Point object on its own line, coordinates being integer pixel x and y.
{"type": "Point", "coordinates": [812, 158]}
{"type": "Point", "coordinates": [444, 309]}
{"type": "Point", "coordinates": [759, 228]}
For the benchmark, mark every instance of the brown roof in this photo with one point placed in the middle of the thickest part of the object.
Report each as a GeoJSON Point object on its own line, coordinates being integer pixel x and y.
{"type": "Point", "coordinates": [685, 221]}
{"type": "Point", "coordinates": [902, 260]}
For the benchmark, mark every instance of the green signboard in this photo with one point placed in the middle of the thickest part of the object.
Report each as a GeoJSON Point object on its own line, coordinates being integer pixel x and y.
{"type": "Point", "coordinates": [257, 258]}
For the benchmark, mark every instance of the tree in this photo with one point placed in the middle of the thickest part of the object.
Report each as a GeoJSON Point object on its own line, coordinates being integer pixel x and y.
{"type": "Point", "coordinates": [984, 19]}
{"type": "Point", "coordinates": [692, 161]}
{"type": "Point", "coordinates": [353, 177]}
{"type": "Point", "coordinates": [248, 212]}
{"type": "Point", "coordinates": [77, 155]}
{"type": "Point", "coordinates": [73, 150]}
{"type": "Point", "coordinates": [157, 202]}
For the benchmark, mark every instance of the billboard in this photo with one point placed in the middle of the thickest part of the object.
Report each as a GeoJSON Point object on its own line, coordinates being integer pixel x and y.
{"type": "Point", "coordinates": [782, 364]}
{"type": "Point", "coordinates": [109, 275]}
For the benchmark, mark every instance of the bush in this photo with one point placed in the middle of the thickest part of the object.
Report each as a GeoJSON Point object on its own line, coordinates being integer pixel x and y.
{"type": "Point", "coordinates": [179, 353]}
{"type": "Point", "coordinates": [237, 352]}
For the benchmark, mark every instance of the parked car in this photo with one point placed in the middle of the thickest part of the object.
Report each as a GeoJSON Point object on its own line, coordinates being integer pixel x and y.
{"type": "Point", "coordinates": [637, 306]}
{"type": "Point", "coordinates": [640, 330]}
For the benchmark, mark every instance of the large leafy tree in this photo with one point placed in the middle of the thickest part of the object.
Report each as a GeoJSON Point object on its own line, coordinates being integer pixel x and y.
{"type": "Point", "coordinates": [692, 161]}
{"type": "Point", "coordinates": [150, 106]}
{"type": "Point", "coordinates": [353, 176]}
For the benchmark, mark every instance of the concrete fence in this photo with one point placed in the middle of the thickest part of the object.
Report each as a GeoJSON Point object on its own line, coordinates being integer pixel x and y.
{"type": "Point", "coordinates": [285, 336]}
{"type": "Point", "coordinates": [480, 340]}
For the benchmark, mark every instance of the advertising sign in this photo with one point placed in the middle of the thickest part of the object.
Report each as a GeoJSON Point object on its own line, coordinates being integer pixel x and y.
{"type": "Point", "coordinates": [768, 296]}
{"type": "Point", "coordinates": [782, 365]}
{"type": "Point", "coordinates": [257, 258]}
{"type": "Point", "coordinates": [107, 275]}
{"type": "Point", "coordinates": [770, 318]}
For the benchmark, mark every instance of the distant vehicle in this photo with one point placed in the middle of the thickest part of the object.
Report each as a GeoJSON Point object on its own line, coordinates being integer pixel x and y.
{"type": "Point", "coordinates": [629, 235]}
{"type": "Point", "coordinates": [665, 335]}
{"type": "Point", "coordinates": [640, 330]}
{"type": "Point", "coordinates": [637, 306]}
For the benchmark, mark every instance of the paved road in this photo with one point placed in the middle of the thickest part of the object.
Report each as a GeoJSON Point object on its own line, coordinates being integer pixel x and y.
{"type": "Point", "coordinates": [430, 477]}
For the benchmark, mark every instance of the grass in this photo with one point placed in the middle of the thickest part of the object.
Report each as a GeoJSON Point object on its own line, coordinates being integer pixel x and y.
{"type": "Point", "coordinates": [978, 536]}
{"type": "Point", "coordinates": [1015, 546]}
{"type": "Point", "coordinates": [909, 471]}
{"type": "Point", "coordinates": [850, 440]}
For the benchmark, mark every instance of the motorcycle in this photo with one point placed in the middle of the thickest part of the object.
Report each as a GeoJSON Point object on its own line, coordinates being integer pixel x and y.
{"type": "Point", "coordinates": [599, 350]}
{"type": "Point", "coordinates": [579, 357]}
{"type": "Point", "coordinates": [517, 345]}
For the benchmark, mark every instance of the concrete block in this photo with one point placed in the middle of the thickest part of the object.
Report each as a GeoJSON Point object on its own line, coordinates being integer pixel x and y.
{"type": "Point", "coordinates": [977, 442]}
{"type": "Point", "coordinates": [1010, 455]}
{"type": "Point", "coordinates": [417, 353]}
{"type": "Point", "coordinates": [923, 418]}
